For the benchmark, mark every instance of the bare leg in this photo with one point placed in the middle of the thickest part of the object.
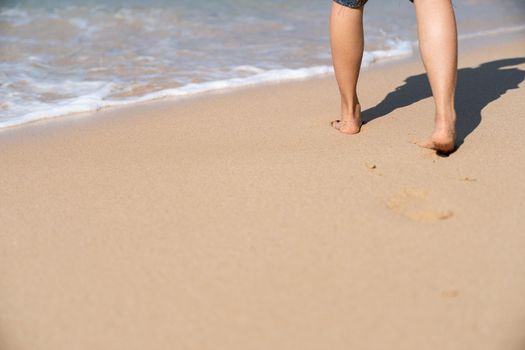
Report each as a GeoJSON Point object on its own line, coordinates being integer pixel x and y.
{"type": "Point", "coordinates": [346, 40]}
{"type": "Point", "coordinates": [438, 46]}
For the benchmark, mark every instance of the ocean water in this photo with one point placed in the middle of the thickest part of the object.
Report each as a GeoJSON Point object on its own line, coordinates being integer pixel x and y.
{"type": "Point", "coordinates": [62, 57]}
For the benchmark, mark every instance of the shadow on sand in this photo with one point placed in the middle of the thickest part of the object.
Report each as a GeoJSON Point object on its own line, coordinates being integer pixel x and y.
{"type": "Point", "coordinates": [476, 88]}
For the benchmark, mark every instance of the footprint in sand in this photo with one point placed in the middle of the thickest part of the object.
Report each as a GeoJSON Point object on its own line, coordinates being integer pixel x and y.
{"type": "Point", "coordinates": [469, 179]}
{"type": "Point", "coordinates": [370, 165]}
{"type": "Point", "coordinates": [373, 168]}
{"type": "Point", "coordinates": [450, 293]}
{"type": "Point", "coordinates": [414, 204]}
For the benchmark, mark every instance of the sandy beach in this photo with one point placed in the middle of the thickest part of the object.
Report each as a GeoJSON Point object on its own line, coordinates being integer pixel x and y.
{"type": "Point", "coordinates": [242, 220]}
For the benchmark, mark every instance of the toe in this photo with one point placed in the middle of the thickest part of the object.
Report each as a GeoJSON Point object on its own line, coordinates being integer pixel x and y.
{"type": "Point", "coordinates": [440, 147]}
{"type": "Point", "coordinates": [427, 143]}
{"type": "Point", "coordinates": [336, 124]}
{"type": "Point", "coordinates": [345, 127]}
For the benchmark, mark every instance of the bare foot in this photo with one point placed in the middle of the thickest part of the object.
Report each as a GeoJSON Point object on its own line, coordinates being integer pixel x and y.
{"type": "Point", "coordinates": [349, 124]}
{"type": "Point", "coordinates": [444, 146]}
{"type": "Point", "coordinates": [444, 137]}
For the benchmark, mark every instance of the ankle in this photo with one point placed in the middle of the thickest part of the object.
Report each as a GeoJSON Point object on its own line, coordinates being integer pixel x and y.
{"type": "Point", "coordinates": [350, 108]}
{"type": "Point", "coordinates": [445, 123]}
{"type": "Point", "coordinates": [448, 117]}
{"type": "Point", "coordinates": [445, 112]}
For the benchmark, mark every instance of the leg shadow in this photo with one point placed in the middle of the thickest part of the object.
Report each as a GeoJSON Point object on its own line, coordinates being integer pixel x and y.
{"type": "Point", "coordinates": [476, 88]}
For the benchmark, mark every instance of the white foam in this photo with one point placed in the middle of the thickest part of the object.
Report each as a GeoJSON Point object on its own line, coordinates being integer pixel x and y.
{"type": "Point", "coordinates": [397, 49]}
{"type": "Point", "coordinates": [96, 100]}
{"type": "Point", "coordinates": [496, 31]}
{"type": "Point", "coordinates": [80, 23]}
{"type": "Point", "coordinates": [86, 103]}
{"type": "Point", "coordinates": [99, 92]}
{"type": "Point", "coordinates": [248, 68]}
{"type": "Point", "coordinates": [15, 15]}
{"type": "Point", "coordinates": [484, 33]}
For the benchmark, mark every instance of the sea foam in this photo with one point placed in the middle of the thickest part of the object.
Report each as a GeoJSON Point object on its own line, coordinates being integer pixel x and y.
{"type": "Point", "coordinates": [99, 97]}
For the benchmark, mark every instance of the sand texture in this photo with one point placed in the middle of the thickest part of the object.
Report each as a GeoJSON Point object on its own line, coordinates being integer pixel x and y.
{"type": "Point", "coordinates": [242, 220]}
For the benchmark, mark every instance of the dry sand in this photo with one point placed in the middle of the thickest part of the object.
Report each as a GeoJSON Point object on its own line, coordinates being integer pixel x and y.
{"type": "Point", "coordinates": [242, 220]}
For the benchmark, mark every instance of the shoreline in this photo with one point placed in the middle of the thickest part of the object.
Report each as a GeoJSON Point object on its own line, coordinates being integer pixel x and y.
{"type": "Point", "coordinates": [242, 220]}
{"type": "Point", "coordinates": [471, 43]}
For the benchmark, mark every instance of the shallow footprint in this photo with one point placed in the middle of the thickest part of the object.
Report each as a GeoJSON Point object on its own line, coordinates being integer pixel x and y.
{"type": "Point", "coordinates": [414, 204]}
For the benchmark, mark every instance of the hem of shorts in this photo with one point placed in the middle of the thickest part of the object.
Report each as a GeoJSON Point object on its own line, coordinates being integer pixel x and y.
{"type": "Point", "coordinates": [358, 6]}
{"type": "Point", "coordinates": [352, 7]}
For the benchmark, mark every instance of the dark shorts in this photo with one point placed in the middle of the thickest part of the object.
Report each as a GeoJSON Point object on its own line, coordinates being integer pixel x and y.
{"type": "Point", "coordinates": [354, 3]}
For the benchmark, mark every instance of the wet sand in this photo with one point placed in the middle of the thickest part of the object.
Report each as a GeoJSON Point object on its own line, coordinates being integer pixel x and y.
{"type": "Point", "coordinates": [242, 220]}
